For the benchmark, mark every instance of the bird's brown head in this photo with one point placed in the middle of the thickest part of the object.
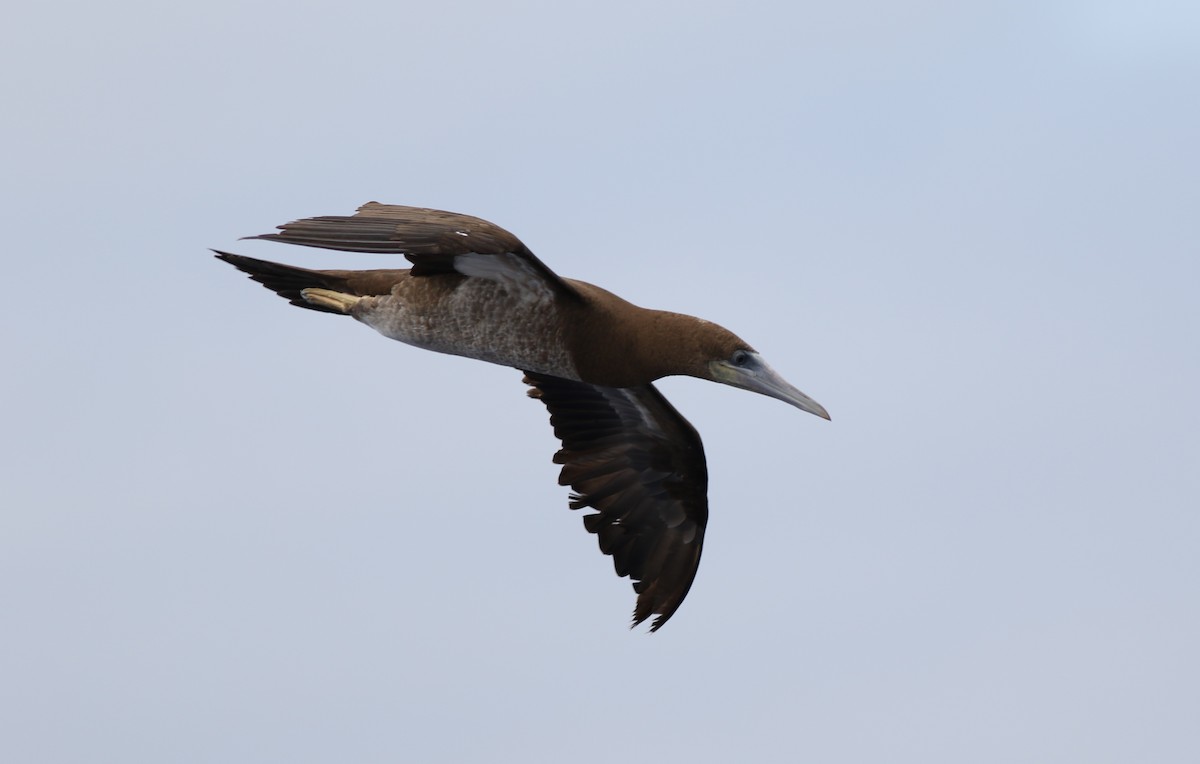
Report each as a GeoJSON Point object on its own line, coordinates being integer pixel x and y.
{"type": "Point", "coordinates": [746, 369]}
{"type": "Point", "coordinates": [709, 351]}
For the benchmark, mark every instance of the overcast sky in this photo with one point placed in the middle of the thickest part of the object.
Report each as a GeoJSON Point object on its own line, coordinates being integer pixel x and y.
{"type": "Point", "coordinates": [234, 531]}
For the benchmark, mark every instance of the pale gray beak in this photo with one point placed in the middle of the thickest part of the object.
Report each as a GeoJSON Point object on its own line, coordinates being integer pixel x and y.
{"type": "Point", "coordinates": [756, 375]}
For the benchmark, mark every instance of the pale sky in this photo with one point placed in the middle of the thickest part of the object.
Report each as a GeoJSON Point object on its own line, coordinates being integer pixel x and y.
{"type": "Point", "coordinates": [234, 531]}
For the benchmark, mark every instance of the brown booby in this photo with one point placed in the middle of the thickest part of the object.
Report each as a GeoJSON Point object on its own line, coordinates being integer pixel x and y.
{"type": "Point", "coordinates": [475, 290]}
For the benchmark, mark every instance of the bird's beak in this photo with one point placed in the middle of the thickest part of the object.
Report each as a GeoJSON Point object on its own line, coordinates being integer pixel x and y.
{"type": "Point", "coordinates": [759, 377]}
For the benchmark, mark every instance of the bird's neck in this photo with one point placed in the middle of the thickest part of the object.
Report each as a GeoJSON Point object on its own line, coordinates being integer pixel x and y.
{"type": "Point", "coordinates": [639, 345]}
{"type": "Point", "coordinates": [667, 344]}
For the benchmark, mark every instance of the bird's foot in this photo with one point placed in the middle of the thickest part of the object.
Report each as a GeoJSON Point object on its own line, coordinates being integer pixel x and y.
{"type": "Point", "coordinates": [327, 298]}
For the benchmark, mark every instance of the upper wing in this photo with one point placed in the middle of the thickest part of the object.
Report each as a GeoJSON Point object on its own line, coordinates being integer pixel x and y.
{"type": "Point", "coordinates": [628, 454]}
{"type": "Point", "coordinates": [434, 241]}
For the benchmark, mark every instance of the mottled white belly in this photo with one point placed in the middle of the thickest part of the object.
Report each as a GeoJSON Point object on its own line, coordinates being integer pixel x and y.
{"type": "Point", "coordinates": [476, 318]}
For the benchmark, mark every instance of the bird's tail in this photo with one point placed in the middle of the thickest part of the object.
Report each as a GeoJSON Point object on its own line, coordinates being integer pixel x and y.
{"type": "Point", "coordinates": [326, 291]}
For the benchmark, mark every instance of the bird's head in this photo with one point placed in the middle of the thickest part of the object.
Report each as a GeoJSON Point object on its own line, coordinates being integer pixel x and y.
{"type": "Point", "coordinates": [674, 343]}
{"type": "Point", "coordinates": [731, 361]}
{"type": "Point", "coordinates": [746, 369]}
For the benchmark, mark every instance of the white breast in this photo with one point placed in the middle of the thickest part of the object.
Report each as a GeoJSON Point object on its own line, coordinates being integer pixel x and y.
{"type": "Point", "coordinates": [490, 319]}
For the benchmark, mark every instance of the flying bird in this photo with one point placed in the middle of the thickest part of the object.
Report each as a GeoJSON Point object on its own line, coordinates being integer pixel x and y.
{"type": "Point", "coordinates": [475, 290]}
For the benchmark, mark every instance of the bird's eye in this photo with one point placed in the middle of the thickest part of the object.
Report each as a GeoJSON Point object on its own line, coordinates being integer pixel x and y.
{"type": "Point", "coordinates": [740, 358]}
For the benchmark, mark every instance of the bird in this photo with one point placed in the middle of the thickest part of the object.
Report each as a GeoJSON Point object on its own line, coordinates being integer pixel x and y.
{"type": "Point", "coordinates": [475, 290]}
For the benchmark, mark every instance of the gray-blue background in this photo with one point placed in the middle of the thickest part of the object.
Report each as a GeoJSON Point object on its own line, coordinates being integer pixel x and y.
{"type": "Point", "coordinates": [233, 531]}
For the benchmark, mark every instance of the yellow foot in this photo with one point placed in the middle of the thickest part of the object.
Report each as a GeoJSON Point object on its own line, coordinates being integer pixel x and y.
{"type": "Point", "coordinates": [327, 298]}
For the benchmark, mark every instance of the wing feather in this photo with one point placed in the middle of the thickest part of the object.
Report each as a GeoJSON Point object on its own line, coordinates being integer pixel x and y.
{"type": "Point", "coordinates": [434, 241]}
{"type": "Point", "coordinates": [629, 455]}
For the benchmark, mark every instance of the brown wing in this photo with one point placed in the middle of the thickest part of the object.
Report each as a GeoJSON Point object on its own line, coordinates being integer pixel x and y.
{"type": "Point", "coordinates": [429, 239]}
{"type": "Point", "coordinates": [628, 454]}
